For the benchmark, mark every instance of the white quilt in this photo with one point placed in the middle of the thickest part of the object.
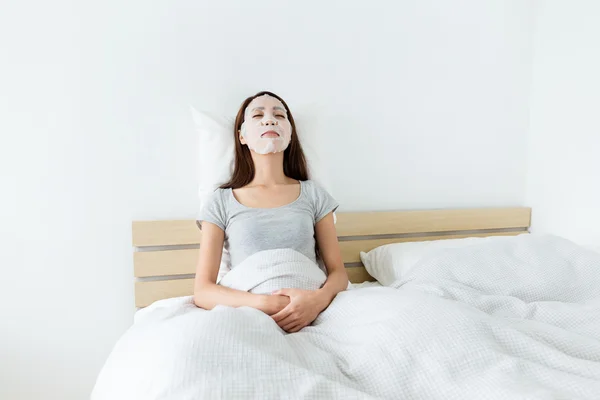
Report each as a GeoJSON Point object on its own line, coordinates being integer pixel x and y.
{"type": "Point", "coordinates": [519, 319]}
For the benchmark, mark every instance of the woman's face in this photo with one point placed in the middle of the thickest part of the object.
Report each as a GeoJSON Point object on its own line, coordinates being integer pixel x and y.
{"type": "Point", "coordinates": [266, 128]}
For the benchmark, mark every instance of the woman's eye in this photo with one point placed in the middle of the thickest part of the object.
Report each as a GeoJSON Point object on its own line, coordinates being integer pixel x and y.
{"type": "Point", "coordinates": [257, 116]}
{"type": "Point", "coordinates": [280, 116]}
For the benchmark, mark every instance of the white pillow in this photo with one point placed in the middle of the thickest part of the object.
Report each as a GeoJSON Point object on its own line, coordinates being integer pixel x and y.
{"type": "Point", "coordinates": [215, 150]}
{"type": "Point", "coordinates": [389, 263]}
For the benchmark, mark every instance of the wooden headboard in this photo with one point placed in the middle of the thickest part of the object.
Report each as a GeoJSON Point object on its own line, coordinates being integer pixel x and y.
{"type": "Point", "coordinates": [166, 252]}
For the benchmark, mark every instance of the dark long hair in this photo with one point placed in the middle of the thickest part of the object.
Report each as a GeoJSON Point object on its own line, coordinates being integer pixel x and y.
{"type": "Point", "coordinates": [294, 162]}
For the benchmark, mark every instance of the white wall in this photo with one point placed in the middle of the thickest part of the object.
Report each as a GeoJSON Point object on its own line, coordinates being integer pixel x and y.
{"type": "Point", "coordinates": [564, 159]}
{"type": "Point", "coordinates": [423, 103]}
{"type": "Point", "coordinates": [66, 203]}
{"type": "Point", "coordinates": [417, 105]}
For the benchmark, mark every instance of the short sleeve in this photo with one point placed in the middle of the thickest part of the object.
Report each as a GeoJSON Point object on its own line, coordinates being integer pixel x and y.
{"type": "Point", "coordinates": [214, 211]}
{"type": "Point", "coordinates": [324, 203]}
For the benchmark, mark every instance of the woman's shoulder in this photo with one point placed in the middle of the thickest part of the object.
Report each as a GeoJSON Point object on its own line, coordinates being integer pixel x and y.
{"type": "Point", "coordinates": [214, 208]}
{"type": "Point", "coordinates": [321, 201]}
{"type": "Point", "coordinates": [316, 191]}
{"type": "Point", "coordinates": [221, 191]}
{"type": "Point", "coordinates": [313, 186]}
{"type": "Point", "coordinates": [218, 197]}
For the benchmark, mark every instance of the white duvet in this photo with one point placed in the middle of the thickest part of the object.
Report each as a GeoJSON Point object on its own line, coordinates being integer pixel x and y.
{"type": "Point", "coordinates": [514, 319]}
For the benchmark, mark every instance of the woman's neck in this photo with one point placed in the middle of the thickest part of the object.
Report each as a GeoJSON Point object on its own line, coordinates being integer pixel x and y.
{"type": "Point", "coordinates": [268, 170]}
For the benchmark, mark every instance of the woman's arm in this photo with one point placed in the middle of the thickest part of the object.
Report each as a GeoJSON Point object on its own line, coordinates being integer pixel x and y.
{"type": "Point", "coordinates": [306, 305]}
{"type": "Point", "coordinates": [329, 248]}
{"type": "Point", "coordinates": [207, 294]}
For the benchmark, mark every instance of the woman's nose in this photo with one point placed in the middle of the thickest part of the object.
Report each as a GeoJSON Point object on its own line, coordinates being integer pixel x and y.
{"type": "Point", "coordinates": [270, 121]}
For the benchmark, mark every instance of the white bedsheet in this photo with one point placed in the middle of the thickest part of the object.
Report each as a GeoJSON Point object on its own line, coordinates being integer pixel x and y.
{"type": "Point", "coordinates": [511, 321]}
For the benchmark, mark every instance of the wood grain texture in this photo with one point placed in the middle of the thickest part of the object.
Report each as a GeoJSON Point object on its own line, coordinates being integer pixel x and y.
{"type": "Point", "coordinates": [185, 232]}
{"type": "Point", "coordinates": [165, 233]}
{"type": "Point", "coordinates": [351, 249]}
{"type": "Point", "coordinates": [390, 223]}
{"type": "Point", "coordinates": [358, 275]}
{"type": "Point", "coordinates": [165, 262]}
{"type": "Point", "coordinates": [147, 293]}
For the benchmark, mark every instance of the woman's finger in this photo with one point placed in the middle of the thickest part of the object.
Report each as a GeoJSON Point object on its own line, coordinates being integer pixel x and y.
{"type": "Point", "coordinates": [282, 314]}
{"type": "Point", "coordinates": [295, 328]}
{"type": "Point", "coordinates": [286, 321]}
{"type": "Point", "coordinates": [290, 325]}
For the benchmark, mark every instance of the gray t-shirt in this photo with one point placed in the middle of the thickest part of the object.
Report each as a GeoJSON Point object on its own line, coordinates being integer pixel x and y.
{"type": "Point", "coordinates": [249, 230]}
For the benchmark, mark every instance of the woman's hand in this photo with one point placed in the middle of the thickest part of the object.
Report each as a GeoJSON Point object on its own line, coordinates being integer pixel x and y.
{"type": "Point", "coordinates": [304, 307]}
{"type": "Point", "coordinates": [272, 304]}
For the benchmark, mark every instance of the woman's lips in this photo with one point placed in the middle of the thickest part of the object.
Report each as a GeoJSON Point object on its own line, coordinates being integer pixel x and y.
{"type": "Point", "coordinates": [271, 134]}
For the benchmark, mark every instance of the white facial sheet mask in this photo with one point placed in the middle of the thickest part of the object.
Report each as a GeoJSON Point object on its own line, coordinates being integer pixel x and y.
{"type": "Point", "coordinates": [253, 128]}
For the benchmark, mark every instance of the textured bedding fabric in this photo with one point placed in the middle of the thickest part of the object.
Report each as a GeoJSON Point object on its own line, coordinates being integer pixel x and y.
{"type": "Point", "coordinates": [518, 319]}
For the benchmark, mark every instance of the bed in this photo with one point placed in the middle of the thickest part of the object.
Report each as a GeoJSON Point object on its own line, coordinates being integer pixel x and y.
{"type": "Point", "coordinates": [167, 251]}
{"type": "Point", "coordinates": [516, 317]}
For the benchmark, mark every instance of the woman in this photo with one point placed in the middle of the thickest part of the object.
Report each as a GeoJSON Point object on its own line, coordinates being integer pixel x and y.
{"type": "Point", "coordinates": [269, 203]}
